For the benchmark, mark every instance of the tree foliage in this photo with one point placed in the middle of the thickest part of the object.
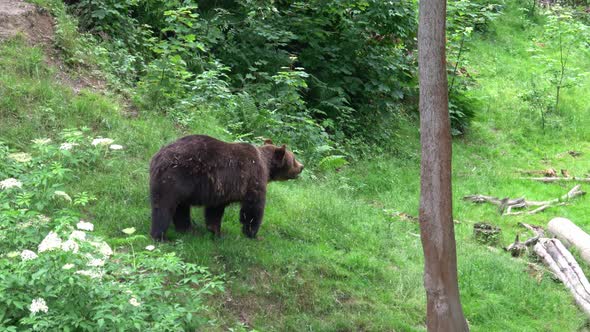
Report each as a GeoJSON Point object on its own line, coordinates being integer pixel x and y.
{"type": "Point", "coordinates": [310, 73]}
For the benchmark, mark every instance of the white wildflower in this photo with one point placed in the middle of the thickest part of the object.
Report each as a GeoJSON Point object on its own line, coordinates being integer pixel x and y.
{"type": "Point", "coordinates": [67, 146]}
{"type": "Point", "coordinates": [10, 183]}
{"type": "Point", "coordinates": [128, 291]}
{"type": "Point", "coordinates": [50, 242]}
{"type": "Point", "coordinates": [116, 147]}
{"type": "Point", "coordinates": [129, 230]}
{"type": "Point", "coordinates": [103, 248]}
{"type": "Point", "coordinates": [62, 194]}
{"type": "Point", "coordinates": [42, 141]}
{"type": "Point", "coordinates": [25, 224]}
{"type": "Point", "coordinates": [133, 301]}
{"type": "Point", "coordinates": [102, 141]}
{"type": "Point", "coordinates": [96, 262]}
{"type": "Point", "coordinates": [85, 226]}
{"type": "Point", "coordinates": [78, 235]}
{"type": "Point", "coordinates": [150, 248]}
{"type": "Point", "coordinates": [27, 255]}
{"type": "Point", "coordinates": [43, 218]}
{"type": "Point", "coordinates": [91, 274]}
{"type": "Point", "coordinates": [38, 305]}
{"type": "Point", "coordinates": [20, 157]}
{"type": "Point", "coordinates": [68, 266]}
{"type": "Point", "coordinates": [70, 245]}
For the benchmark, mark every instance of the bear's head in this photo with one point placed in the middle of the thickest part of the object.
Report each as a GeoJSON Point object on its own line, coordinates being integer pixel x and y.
{"type": "Point", "coordinates": [282, 164]}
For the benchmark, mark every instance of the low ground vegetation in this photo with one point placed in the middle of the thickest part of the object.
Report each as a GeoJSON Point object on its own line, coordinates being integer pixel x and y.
{"type": "Point", "coordinates": [340, 249]}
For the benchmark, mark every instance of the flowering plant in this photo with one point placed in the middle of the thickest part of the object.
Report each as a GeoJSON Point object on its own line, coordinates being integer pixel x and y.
{"type": "Point", "coordinates": [57, 274]}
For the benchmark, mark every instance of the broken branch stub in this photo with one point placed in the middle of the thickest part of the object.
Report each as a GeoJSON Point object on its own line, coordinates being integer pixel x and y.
{"type": "Point", "coordinates": [517, 248]}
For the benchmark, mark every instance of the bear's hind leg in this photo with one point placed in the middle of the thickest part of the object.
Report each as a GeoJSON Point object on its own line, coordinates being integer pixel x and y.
{"type": "Point", "coordinates": [161, 219]}
{"type": "Point", "coordinates": [182, 218]}
{"type": "Point", "coordinates": [251, 217]}
{"type": "Point", "coordinates": [213, 216]}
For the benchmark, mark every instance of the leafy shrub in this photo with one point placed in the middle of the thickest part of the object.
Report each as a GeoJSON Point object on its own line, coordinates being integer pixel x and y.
{"type": "Point", "coordinates": [563, 36]}
{"type": "Point", "coordinates": [538, 100]}
{"type": "Point", "coordinates": [317, 69]}
{"type": "Point", "coordinates": [355, 54]}
{"type": "Point", "coordinates": [332, 162]}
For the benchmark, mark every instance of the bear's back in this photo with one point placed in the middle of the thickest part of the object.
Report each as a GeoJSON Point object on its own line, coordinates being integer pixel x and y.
{"type": "Point", "coordinates": [200, 152]}
{"type": "Point", "coordinates": [215, 171]}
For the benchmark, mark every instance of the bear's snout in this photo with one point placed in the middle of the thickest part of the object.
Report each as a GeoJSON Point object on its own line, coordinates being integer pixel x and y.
{"type": "Point", "coordinates": [301, 167]}
{"type": "Point", "coordinates": [298, 168]}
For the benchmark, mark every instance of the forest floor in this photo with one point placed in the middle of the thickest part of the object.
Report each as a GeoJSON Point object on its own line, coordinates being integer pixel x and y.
{"type": "Point", "coordinates": [340, 251]}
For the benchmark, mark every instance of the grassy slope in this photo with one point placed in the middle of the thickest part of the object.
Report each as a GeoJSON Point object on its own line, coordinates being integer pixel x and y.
{"type": "Point", "coordinates": [330, 258]}
{"type": "Point", "coordinates": [498, 295]}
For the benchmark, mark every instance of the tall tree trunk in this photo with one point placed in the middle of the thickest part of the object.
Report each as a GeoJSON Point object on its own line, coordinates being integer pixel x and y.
{"type": "Point", "coordinates": [444, 312]}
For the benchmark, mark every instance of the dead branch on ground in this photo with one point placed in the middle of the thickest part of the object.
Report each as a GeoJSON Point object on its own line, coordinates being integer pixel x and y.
{"type": "Point", "coordinates": [505, 205]}
{"type": "Point", "coordinates": [557, 179]}
{"type": "Point", "coordinates": [550, 172]}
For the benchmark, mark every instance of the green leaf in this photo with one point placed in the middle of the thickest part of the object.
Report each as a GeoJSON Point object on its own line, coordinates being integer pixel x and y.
{"type": "Point", "coordinates": [332, 162]}
{"type": "Point", "coordinates": [129, 230]}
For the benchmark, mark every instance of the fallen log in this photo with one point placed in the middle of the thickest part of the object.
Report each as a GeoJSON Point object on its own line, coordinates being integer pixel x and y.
{"type": "Point", "coordinates": [561, 262]}
{"type": "Point", "coordinates": [571, 235]}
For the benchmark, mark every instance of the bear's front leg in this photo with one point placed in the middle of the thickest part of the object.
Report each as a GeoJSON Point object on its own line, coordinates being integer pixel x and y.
{"type": "Point", "coordinates": [251, 217]}
{"type": "Point", "coordinates": [182, 218]}
{"type": "Point", "coordinates": [161, 219]}
{"type": "Point", "coordinates": [213, 216]}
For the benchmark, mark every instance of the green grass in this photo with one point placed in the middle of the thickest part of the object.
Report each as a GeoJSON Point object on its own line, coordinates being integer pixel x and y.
{"type": "Point", "coordinates": [330, 257]}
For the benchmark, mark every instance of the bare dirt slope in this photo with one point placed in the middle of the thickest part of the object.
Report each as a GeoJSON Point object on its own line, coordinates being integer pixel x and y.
{"type": "Point", "coordinates": [37, 26]}
{"type": "Point", "coordinates": [17, 16]}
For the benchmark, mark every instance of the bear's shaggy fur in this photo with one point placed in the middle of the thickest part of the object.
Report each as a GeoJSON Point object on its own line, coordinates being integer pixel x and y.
{"type": "Point", "coordinates": [203, 171]}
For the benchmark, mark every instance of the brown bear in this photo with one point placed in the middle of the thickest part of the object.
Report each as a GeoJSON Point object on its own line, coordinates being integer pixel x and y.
{"type": "Point", "coordinates": [199, 170]}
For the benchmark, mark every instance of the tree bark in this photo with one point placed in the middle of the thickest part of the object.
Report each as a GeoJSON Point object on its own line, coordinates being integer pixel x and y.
{"type": "Point", "coordinates": [444, 311]}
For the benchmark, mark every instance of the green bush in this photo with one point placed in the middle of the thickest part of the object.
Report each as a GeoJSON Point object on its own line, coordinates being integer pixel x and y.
{"type": "Point", "coordinates": [58, 276]}
{"type": "Point", "coordinates": [321, 70]}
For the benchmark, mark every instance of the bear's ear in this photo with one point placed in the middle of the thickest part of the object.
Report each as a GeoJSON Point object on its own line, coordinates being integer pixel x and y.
{"type": "Point", "coordinates": [267, 142]}
{"type": "Point", "coordinates": [280, 153]}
